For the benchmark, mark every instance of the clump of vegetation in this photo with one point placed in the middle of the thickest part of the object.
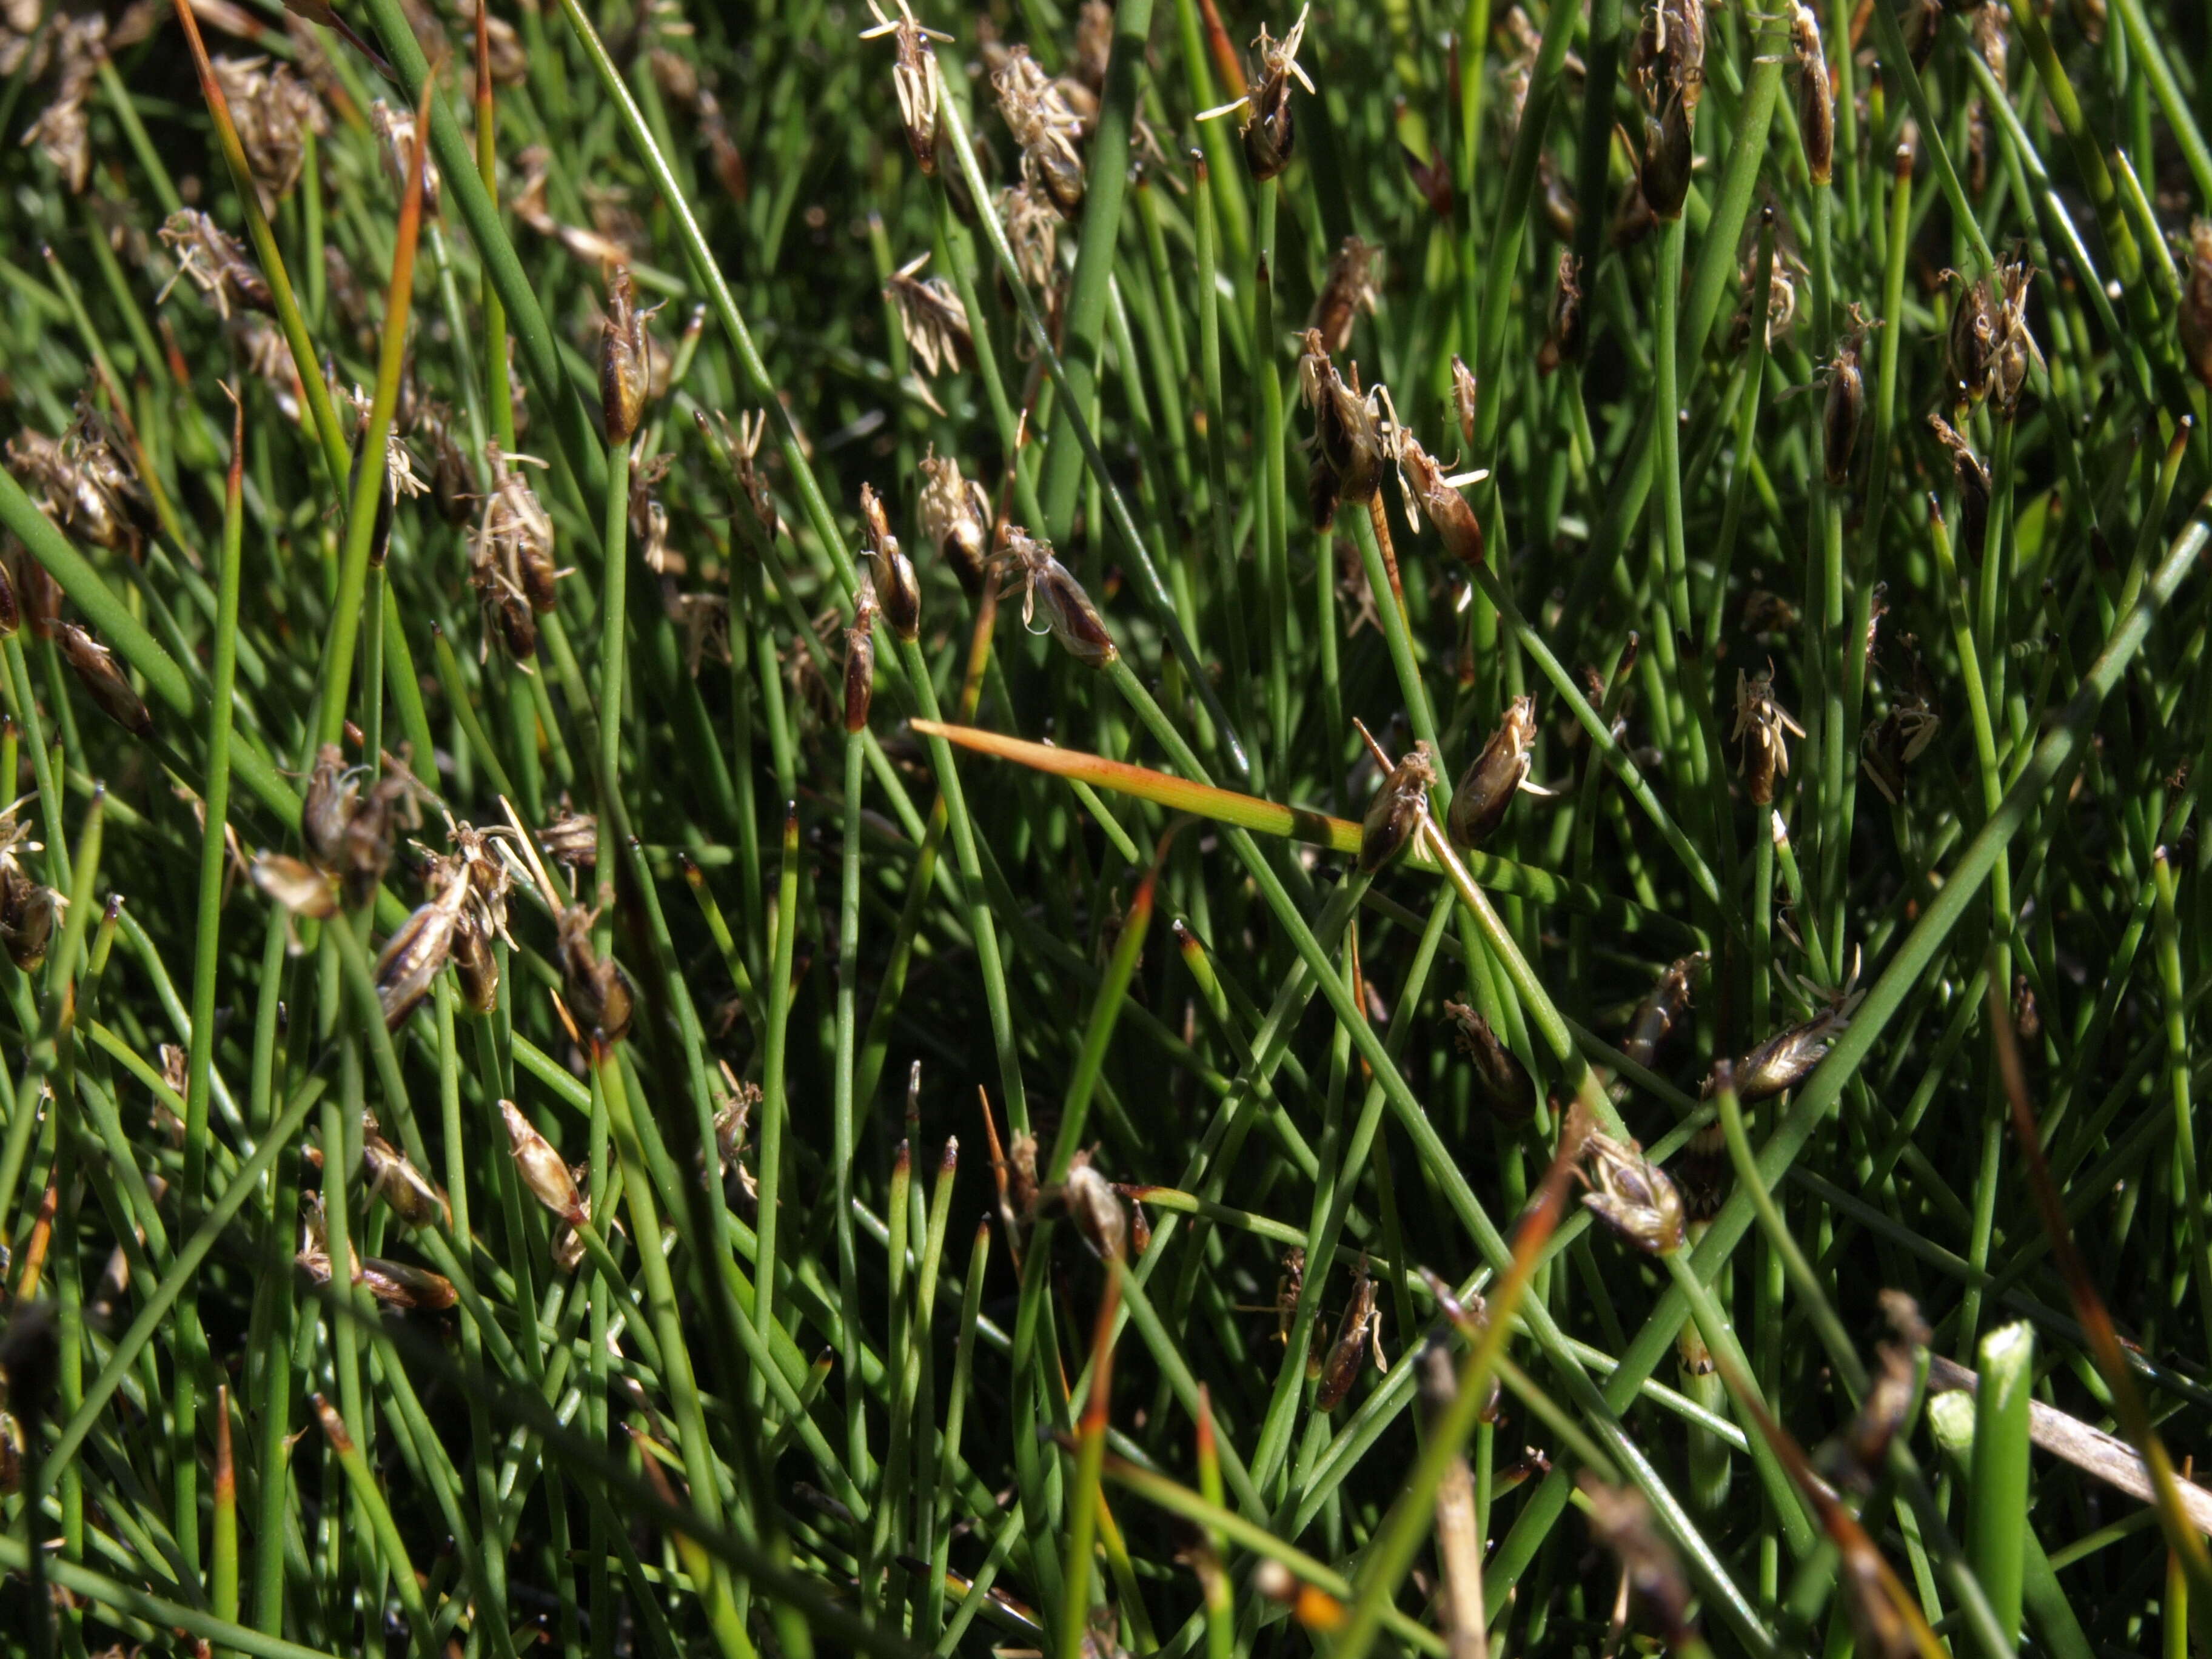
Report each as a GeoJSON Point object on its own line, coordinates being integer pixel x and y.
{"type": "Point", "coordinates": [1644, 561]}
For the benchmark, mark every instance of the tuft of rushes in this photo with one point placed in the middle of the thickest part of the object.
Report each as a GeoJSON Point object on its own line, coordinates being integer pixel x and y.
{"type": "Point", "coordinates": [1713, 750]}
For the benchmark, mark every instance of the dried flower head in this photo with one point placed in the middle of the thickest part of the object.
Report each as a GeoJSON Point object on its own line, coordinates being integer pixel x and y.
{"type": "Point", "coordinates": [1354, 437]}
{"type": "Point", "coordinates": [417, 950]}
{"type": "Point", "coordinates": [215, 263]}
{"type": "Point", "coordinates": [1845, 409]}
{"type": "Point", "coordinates": [541, 1168]}
{"type": "Point", "coordinates": [860, 659]}
{"type": "Point", "coordinates": [511, 557]}
{"type": "Point", "coordinates": [1069, 615]}
{"type": "Point", "coordinates": [1622, 1520]}
{"type": "Point", "coordinates": [597, 992]}
{"type": "Point", "coordinates": [1037, 113]}
{"type": "Point", "coordinates": [395, 143]}
{"type": "Point", "coordinates": [1424, 486]}
{"type": "Point", "coordinates": [60, 131]}
{"type": "Point", "coordinates": [2193, 317]}
{"type": "Point", "coordinates": [90, 483]}
{"type": "Point", "coordinates": [406, 1191]}
{"type": "Point", "coordinates": [914, 78]}
{"type": "Point", "coordinates": [955, 516]}
{"type": "Point", "coordinates": [1663, 1008]}
{"type": "Point", "coordinates": [1761, 724]}
{"type": "Point", "coordinates": [1972, 478]}
{"type": "Point", "coordinates": [625, 358]}
{"type": "Point", "coordinates": [1563, 342]}
{"type": "Point", "coordinates": [1033, 232]}
{"type": "Point", "coordinates": [1632, 1195]}
{"type": "Point", "coordinates": [930, 314]}
{"type": "Point", "coordinates": [898, 589]}
{"type": "Point", "coordinates": [1269, 135]}
{"type": "Point", "coordinates": [1401, 801]}
{"type": "Point", "coordinates": [103, 680]}
{"type": "Point", "coordinates": [1502, 1083]}
{"type": "Point", "coordinates": [1900, 739]}
{"type": "Point", "coordinates": [1816, 97]}
{"type": "Point", "coordinates": [1348, 290]}
{"type": "Point", "coordinates": [1488, 786]}
{"type": "Point", "coordinates": [274, 110]}
{"type": "Point", "coordinates": [1358, 1333]}
{"type": "Point", "coordinates": [29, 907]}
{"type": "Point", "coordinates": [1092, 1204]}
{"type": "Point", "coordinates": [1669, 55]}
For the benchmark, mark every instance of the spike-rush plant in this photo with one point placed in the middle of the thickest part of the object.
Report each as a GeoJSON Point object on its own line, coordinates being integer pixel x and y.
{"type": "Point", "coordinates": [1504, 702]}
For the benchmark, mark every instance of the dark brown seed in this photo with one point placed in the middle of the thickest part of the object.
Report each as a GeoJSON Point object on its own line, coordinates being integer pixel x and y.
{"type": "Point", "coordinates": [956, 517]}
{"type": "Point", "coordinates": [95, 668]}
{"type": "Point", "coordinates": [1488, 788]}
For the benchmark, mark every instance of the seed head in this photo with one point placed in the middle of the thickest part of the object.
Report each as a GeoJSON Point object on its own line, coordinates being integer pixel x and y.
{"type": "Point", "coordinates": [1816, 98]}
{"type": "Point", "coordinates": [1424, 486]}
{"type": "Point", "coordinates": [898, 590]}
{"type": "Point", "coordinates": [1786, 1059]}
{"type": "Point", "coordinates": [860, 659]}
{"type": "Point", "coordinates": [1846, 404]}
{"type": "Point", "coordinates": [1622, 1520]}
{"type": "Point", "coordinates": [398, 1284]}
{"type": "Point", "coordinates": [541, 1168]}
{"type": "Point", "coordinates": [1357, 1332]}
{"type": "Point", "coordinates": [1501, 1082]}
{"type": "Point", "coordinates": [274, 110]}
{"type": "Point", "coordinates": [395, 139]}
{"type": "Point", "coordinates": [1353, 436]}
{"type": "Point", "coordinates": [930, 314]}
{"type": "Point", "coordinates": [1632, 1195]}
{"type": "Point", "coordinates": [596, 990]}
{"type": "Point", "coordinates": [60, 131]}
{"type": "Point", "coordinates": [2193, 317]}
{"type": "Point", "coordinates": [1037, 113]}
{"type": "Point", "coordinates": [1394, 816]}
{"type": "Point", "coordinates": [1668, 154]}
{"type": "Point", "coordinates": [913, 78]}
{"type": "Point", "coordinates": [1761, 724]}
{"type": "Point", "coordinates": [1046, 584]}
{"type": "Point", "coordinates": [625, 358]}
{"type": "Point", "coordinates": [1268, 134]}
{"type": "Point", "coordinates": [955, 516]}
{"type": "Point", "coordinates": [406, 1191]}
{"type": "Point", "coordinates": [476, 966]}
{"type": "Point", "coordinates": [1348, 290]}
{"type": "Point", "coordinates": [1972, 478]}
{"type": "Point", "coordinates": [413, 956]}
{"type": "Point", "coordinates": [1659, 1013]}
{"type": "Point", "coordinates": [1563, 344]}
{"type": "Point", "coordinates": [95, 669]}
{"type": "Point", "coordinates": [1488, 788]}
